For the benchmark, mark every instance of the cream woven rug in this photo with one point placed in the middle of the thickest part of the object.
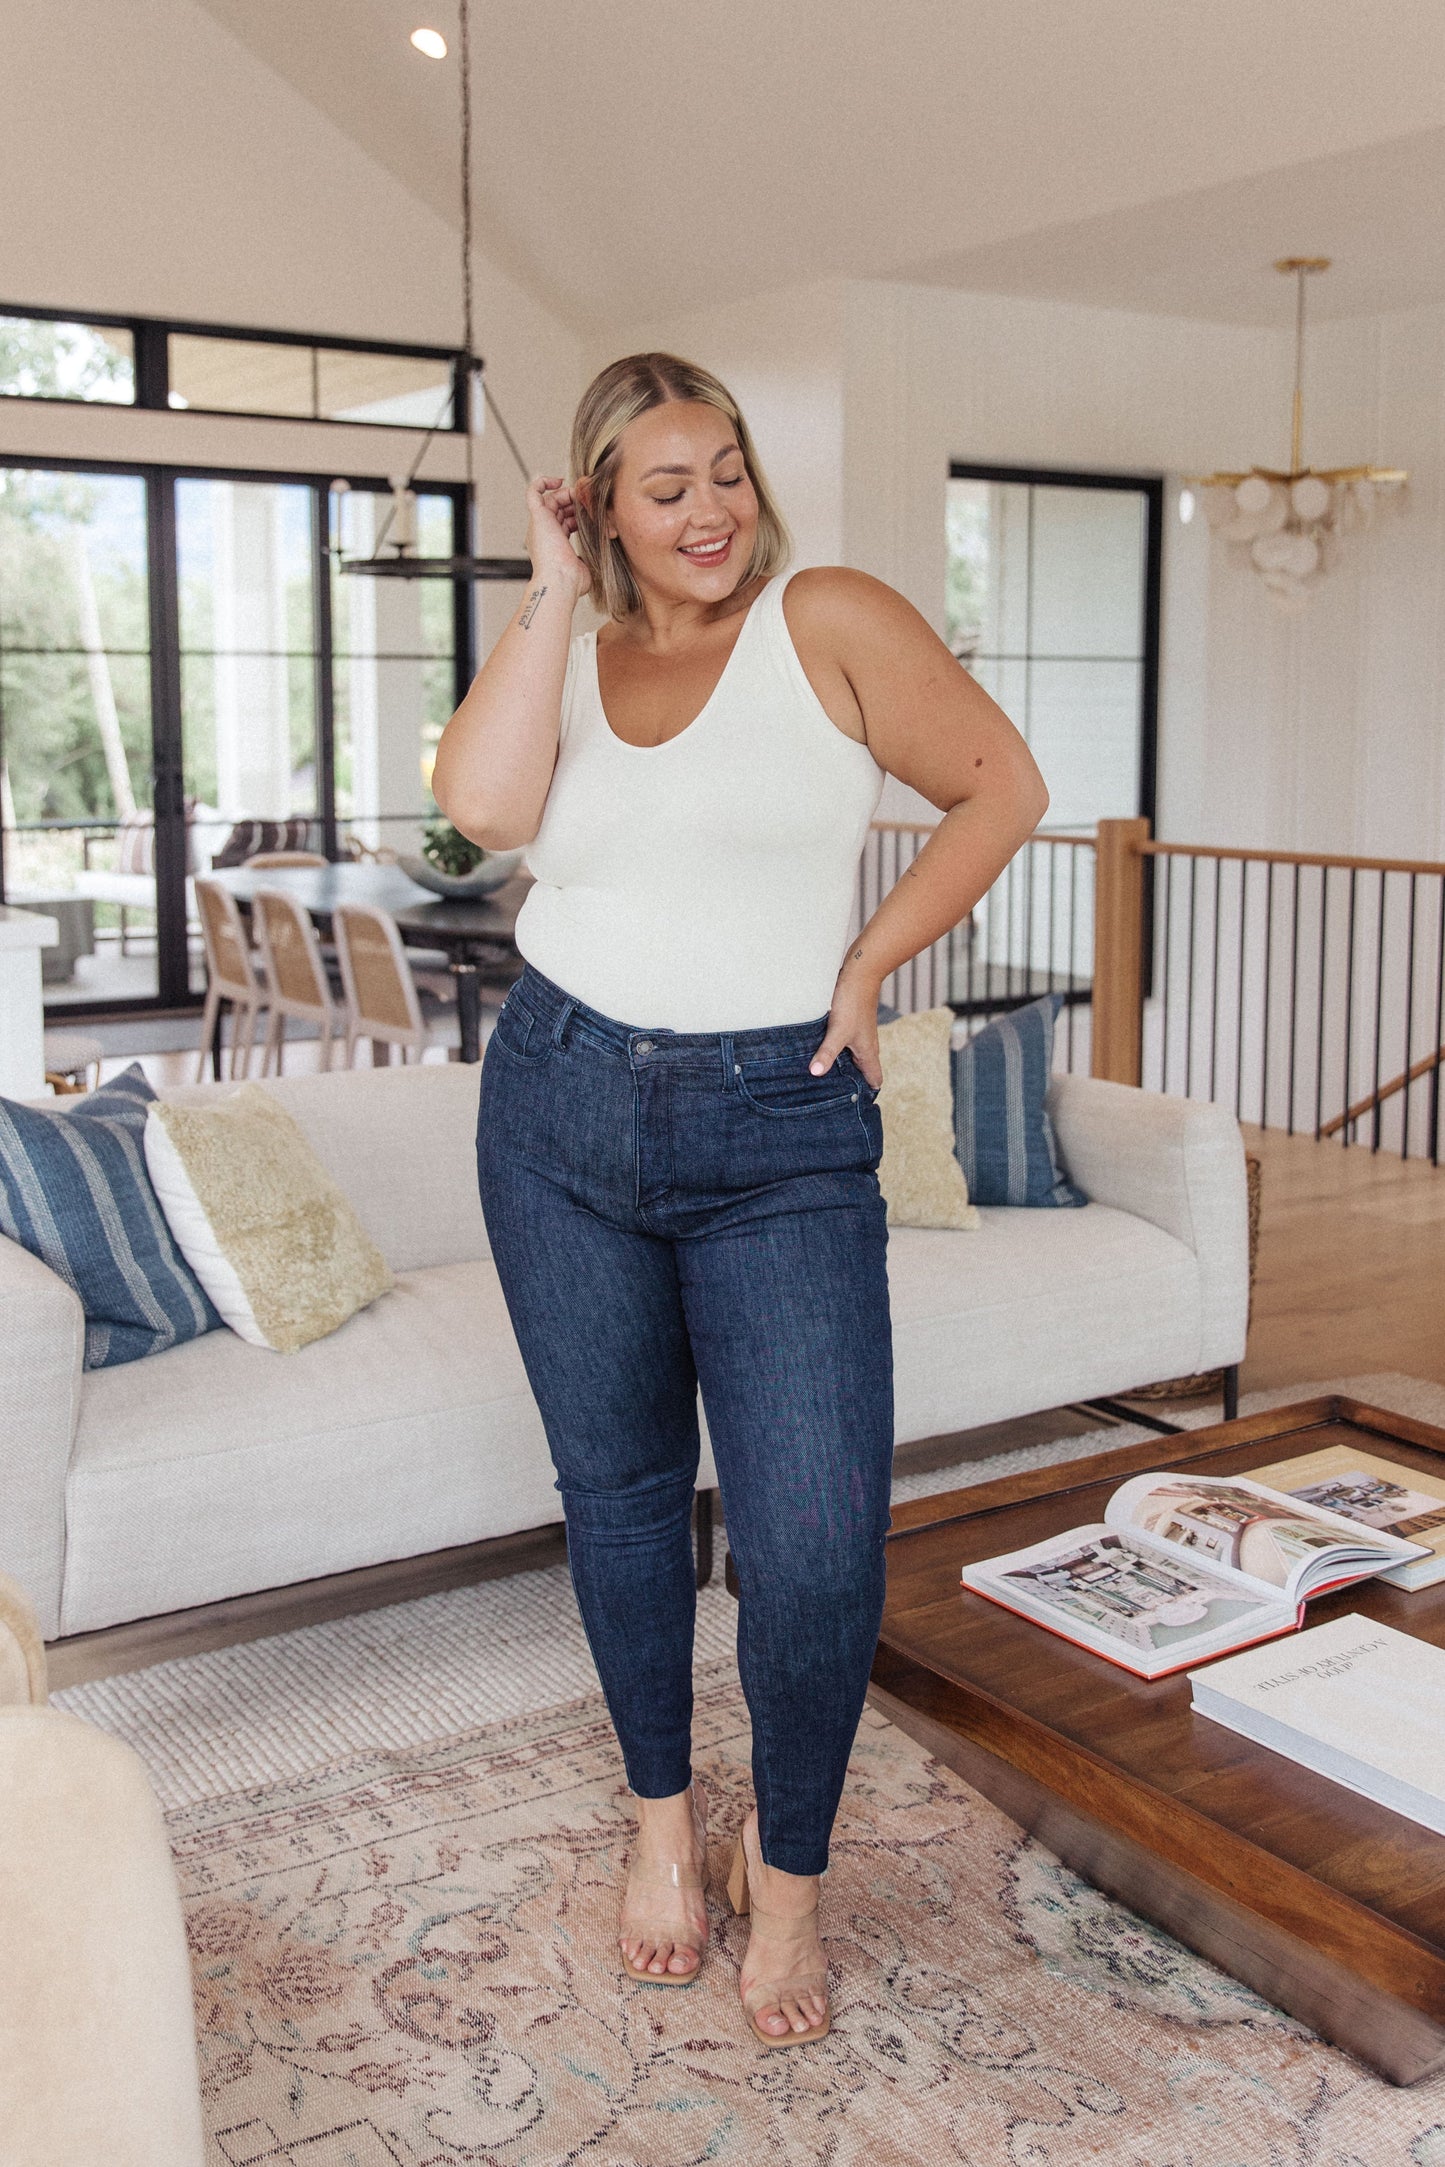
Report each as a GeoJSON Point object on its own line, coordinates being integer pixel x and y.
{"type": "Point", "coordinates": [408, 1958]}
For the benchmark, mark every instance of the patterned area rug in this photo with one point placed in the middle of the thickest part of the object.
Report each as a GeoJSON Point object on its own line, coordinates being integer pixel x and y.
{"type": "Point", "coordinates": [404, 1959]}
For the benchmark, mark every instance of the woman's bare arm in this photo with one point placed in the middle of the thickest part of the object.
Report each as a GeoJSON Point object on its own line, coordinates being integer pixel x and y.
{"type": "Point", "coordinates": [929, 723]}
{"type": "Point", "coordinates": [495, 760]}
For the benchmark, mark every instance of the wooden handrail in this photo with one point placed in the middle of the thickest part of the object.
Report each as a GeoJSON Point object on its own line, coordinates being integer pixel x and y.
{"type": "Point", "coordinates": [930, 827]}
{"type": "Point", "coordinates": [1290, 857]}
{"type": "Point", "coordinates": [1386, 1091]}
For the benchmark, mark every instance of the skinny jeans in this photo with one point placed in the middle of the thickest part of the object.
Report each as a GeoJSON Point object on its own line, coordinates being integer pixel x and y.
{"type": "Point", "coordinates": [674, 1210]}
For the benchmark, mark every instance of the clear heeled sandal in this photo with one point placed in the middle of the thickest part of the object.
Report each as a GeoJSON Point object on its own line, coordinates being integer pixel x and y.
{"type": "Point", "coordinates": [670, 1875]}
{"type": "Point", "coordinates": [770, 1993]}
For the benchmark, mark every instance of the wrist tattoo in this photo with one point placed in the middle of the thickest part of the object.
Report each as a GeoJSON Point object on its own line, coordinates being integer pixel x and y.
{"type": "Point", "coordinates": [530, 610]}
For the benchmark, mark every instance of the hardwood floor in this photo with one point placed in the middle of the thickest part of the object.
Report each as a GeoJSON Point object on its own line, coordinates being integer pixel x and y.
{"type": "Point", "coordinates": [1351, 1273]}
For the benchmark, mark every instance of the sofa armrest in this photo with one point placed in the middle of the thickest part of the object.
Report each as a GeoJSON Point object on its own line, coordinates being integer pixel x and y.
{"type": "Point", "coordinates": [1178, 1163]}
{"type": "Point", "coordinates": [42, 1347]}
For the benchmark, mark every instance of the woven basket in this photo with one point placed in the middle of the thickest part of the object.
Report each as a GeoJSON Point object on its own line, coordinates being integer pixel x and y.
{"type": "Point", "coordinates": [1212, 1380]}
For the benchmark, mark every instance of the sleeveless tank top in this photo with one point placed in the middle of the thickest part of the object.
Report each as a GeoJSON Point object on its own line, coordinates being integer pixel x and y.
{"type": "Point", "coordinates": [705, 884]}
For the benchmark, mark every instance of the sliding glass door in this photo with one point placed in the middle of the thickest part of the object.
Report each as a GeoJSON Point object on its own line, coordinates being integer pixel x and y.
{"type": "Point", "coordinates": [181, 655]}
{"type": "Point", "coordinates": [77, 824]}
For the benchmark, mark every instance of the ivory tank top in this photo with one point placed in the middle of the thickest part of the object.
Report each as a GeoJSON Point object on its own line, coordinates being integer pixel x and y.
{"type": "Point", "coordinates": [705, 884]}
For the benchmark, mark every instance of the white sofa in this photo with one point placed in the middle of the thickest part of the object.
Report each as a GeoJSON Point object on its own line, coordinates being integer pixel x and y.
{"type": "Point", "coordinates": [219, 1468]}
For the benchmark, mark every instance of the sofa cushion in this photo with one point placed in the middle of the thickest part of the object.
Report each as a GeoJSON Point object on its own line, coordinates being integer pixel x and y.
{"type": "Point", "coordinates": [266, 1230]}
{"type": "Point", "coordinates": [75, 1192]}
{"type": "Point", "coordinates": [215, 1468]}
{"type": "Point", "coordinates": [1003, 1135]}
{"type": "Point", "coordinates": [1035, 1310]}
{"type": "Point", "coordinates": [922, 1181]}
{"type": "Point", "coordinates": [401, 1143]}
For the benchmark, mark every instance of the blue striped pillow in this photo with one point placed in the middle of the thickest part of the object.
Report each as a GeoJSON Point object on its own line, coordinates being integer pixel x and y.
{"type": "Point", "coordinates": [1003, 1137]}
{"type": "Point", "coordinates": [74, 1191]}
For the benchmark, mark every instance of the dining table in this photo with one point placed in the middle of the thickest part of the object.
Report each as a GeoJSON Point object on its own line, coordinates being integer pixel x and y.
{"type": "Point", "coordinates": [475, 932]}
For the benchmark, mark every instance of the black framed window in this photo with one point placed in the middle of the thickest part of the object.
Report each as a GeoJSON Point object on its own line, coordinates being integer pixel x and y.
{"type": "Point", "coordinates": [179, 652]}
{"type": "Point", "coordinates": [230, 369]}
{"type": "Point", "coordinates": [1053, 604]}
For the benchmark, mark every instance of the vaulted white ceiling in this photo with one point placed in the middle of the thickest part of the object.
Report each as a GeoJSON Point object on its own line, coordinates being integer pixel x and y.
{"type": "Point", "coordinates": [635, 158]}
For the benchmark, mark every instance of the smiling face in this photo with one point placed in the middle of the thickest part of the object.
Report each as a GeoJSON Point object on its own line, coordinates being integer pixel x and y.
{"type": "Point", "coordinates": [683, 504]}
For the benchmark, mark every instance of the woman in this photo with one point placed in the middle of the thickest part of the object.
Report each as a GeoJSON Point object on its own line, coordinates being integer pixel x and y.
{"type": "Point", "coordinates": [678, 1135]}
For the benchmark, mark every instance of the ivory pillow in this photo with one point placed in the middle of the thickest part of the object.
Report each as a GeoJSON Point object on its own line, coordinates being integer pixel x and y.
{"type": "Point", "coordinates": [921, 1179]}
{"type": "Point", "coordinates": [263, 1226]}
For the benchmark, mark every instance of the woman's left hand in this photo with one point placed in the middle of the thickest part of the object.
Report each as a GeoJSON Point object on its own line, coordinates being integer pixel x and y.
{"type": "Point", "coordinates": [852, 1022]}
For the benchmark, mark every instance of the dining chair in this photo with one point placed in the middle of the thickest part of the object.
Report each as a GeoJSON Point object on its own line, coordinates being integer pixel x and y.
{"type": "Point", "coordinates": [232, 974]}
{"type": "Point", "coordinates": [296, 980]}
{"type": "Point", "coordinates": [267, 861]}
{"type": "Point", "coordinates": [380, 990]}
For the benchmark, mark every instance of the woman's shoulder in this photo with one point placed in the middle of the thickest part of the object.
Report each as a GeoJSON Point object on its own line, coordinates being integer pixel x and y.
{"type": "Point", "coordinates": [839, 607]}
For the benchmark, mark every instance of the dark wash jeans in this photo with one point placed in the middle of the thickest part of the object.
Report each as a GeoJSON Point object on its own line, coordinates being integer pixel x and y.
{"type": "Point", "coordinates": [669, 1209]}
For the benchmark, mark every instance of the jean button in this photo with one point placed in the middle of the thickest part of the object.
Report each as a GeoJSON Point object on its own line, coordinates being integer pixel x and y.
{"type": "Point", "coordinates": [644, 1045]}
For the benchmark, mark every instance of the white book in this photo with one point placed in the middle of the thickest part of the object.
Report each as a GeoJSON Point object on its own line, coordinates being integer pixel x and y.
{"type": "Point", "coordinates": [1353, 1700]}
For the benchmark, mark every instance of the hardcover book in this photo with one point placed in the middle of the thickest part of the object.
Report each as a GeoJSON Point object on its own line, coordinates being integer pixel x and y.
{"type": "Point", "coordinates": [1377, 1493]}
{"type": "Point", "coordinates": [1185, 1567]}
{"type": "Point", "coordinates": [1353, 1700]}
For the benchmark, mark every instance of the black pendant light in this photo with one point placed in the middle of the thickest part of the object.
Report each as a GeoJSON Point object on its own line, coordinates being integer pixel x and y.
{"type": "Point", "coordinates": [401, 561]}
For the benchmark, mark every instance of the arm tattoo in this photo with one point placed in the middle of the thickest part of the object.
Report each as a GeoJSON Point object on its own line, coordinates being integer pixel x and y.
{"type": "Point", "coordinates": [530, 611]}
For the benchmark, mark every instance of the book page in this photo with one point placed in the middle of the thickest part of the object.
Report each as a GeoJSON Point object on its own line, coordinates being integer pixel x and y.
{"type": "Point", "coordinates": [1373, 1492]}
{"type": "Point", "coordinates": [1096, 1579]}
{"type": "Point", "coordinates": [1237, 1525]}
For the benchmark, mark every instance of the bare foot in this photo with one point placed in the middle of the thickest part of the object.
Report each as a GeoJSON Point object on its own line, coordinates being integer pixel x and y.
{"type": "Point", "coordinates": [664, 1911]}
{"type": "Point", "coordinates": [784, 1979]}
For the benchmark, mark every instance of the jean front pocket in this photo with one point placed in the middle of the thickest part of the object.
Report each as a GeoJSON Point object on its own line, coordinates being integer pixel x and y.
{"type": "Point", "coordinates": [521, 1034]}
{"type": "Point", "coordinates": [785, 1089]}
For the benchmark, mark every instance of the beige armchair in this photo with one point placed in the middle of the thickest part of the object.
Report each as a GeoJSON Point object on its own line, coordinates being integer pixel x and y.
{"type": "Point", "coordinates": [97, 2027]}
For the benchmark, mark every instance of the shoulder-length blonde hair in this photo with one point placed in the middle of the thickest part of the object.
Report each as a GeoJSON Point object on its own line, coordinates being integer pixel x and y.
{"type": "Point", "coordinates": [622, 391]}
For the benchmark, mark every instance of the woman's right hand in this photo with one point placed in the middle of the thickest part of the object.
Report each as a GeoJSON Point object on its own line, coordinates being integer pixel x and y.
{"type": "Point", "coordinates": [551, 523]}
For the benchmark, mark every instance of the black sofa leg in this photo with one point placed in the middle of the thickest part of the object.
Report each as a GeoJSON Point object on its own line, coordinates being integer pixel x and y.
{"type": "Point", "coordinates": [702, 1534]}
{"type": "Point", "coordinates": [1231, 1392]}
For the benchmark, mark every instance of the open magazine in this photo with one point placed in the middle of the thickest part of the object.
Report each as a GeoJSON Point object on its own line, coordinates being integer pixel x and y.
{"type": "Point", "coordinates": [1186, 1567]}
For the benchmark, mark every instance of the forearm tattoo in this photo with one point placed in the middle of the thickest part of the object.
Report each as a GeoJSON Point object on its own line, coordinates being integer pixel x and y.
{"type": "Point", "coordinates": [530, 611]}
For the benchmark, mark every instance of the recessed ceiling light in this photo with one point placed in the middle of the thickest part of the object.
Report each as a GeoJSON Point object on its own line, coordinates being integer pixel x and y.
{"type": "Point", "coordinates": [430, 42]}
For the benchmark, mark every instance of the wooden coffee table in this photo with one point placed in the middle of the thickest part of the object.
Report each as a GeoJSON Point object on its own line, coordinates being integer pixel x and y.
{"type": "Point", "coordinates": [1331, 1907]}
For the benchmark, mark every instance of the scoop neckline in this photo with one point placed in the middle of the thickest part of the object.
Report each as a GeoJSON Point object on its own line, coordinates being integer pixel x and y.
{"type": "Point", "coordinates": [708, 703]}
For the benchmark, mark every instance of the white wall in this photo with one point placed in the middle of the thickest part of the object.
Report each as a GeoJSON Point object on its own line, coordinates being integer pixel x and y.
{"type": "Point", "coordinates": [149, 162]}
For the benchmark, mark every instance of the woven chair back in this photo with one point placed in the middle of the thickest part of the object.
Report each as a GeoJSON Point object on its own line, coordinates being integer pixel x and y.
{"type": "Point", "coordinates": [228, 952]}
{"type": "Point", "coordinates": [380, 991]}
{"type": "Point", "coordinates": [293, 956]}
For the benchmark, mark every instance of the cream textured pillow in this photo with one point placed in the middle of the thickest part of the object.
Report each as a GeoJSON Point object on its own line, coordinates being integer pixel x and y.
{"type": "Point", "coordinates": [261, 1223]}
{"type": "Point", "coordinates": [921, 1179]}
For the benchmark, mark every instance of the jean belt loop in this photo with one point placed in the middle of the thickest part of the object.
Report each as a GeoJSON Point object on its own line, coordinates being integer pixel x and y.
{"type": "Point", "coordinates": [729, 1076]}
{"type": "Point", "coordinates": [559, 1028]}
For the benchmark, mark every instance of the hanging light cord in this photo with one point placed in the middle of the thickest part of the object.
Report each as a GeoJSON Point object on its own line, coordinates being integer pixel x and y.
{"type": "Point", "coordinates": [471, 367]}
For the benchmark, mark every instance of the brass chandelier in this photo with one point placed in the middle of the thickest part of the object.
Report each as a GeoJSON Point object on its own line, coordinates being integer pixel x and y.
{"type": "Point", "coordinates": [1289, 523]}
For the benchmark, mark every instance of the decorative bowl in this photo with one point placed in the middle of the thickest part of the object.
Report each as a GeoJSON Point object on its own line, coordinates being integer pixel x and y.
{"type": "Point", "coordinates": [494, 871]}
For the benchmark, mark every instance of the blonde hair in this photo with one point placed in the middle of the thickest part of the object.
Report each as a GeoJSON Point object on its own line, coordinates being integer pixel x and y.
{"type": "Point", "coordinates": [622, 391]}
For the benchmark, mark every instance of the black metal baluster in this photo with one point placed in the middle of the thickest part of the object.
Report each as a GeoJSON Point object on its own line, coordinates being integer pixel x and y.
{"type": "Point", "coordinates": [1268, 958]}
{"type": "Point", "coordinates": [1239, 991]}
{"type": "Point", "coordinates": [1189, 997]}
{"type": "Point", "coordinates": [1293, 998]}
{"type": "Point", "coordinates": [1439, 1041]}
{"type": "Point", "coordinates": [1214, 993]}
{"type": "Point", "coordinates": [1320, 1020]}
{"type": "Point", "coordinates": [1379, 1009]}
{"type": "Point", "coordinates": [1407, 1087]}
{"type": "Point", "coordinates": [1350, 998]}
{"type": "Point", "coordinates": [1166, 915]}
{"type": "Point", "coordinates": [1074, 849]}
